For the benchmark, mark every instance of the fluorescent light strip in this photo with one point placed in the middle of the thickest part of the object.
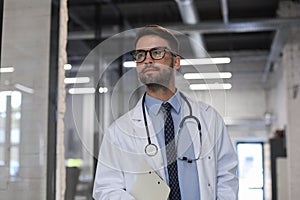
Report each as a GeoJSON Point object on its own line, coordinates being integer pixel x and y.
{"type": "Point", "coordinates": [129, 64]}
{"type": "Point", "coordinates": [197, 61]}
{"type": "Point", "coordinates": [77, 80]}
{"type": "Point", "coordinates": [205, 61]}
{"type": "Point", "coordinates": [24, 88]}
{"type": "Point", "coordinates": [6, 69]}
{"type": "Point", "coordinates": [82, 90]}
{"type": "Point", "coordinates": [214, 86]}
{"type": "Point", "coordinates": [207, 75]}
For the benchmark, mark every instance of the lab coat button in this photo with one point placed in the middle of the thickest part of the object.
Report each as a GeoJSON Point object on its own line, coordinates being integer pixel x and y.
{"type": "Point", "coordinates": [208, 184]}
{"type": "Point", "coordinates": [209, 157]}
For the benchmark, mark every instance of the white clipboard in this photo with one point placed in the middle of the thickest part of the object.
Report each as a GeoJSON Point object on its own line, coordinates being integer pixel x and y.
{"type": "Point", "coordinates": [149, 185]}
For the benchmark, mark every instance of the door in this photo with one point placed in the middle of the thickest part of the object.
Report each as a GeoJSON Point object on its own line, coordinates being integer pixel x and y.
{"type": "Point", "coordinates": [251, 170]}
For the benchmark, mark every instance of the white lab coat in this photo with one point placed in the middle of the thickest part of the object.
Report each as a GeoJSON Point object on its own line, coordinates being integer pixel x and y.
{"type": "Point", "coordinates": [123, 147]}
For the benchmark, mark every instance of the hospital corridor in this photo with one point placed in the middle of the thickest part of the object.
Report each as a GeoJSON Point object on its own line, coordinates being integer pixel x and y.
{"type": "Point", "coordinates": [78, 99]}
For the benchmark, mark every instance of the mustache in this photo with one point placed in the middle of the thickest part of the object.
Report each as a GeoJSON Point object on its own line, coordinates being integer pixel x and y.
{"type": "Point", "coordinates": [149, 67]}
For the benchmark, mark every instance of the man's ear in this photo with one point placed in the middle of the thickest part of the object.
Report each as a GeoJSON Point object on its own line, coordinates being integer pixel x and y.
{"type": "Point", "coordinates": [176, 65]}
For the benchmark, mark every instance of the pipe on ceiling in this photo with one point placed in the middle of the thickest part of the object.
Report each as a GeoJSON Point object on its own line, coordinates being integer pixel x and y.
{"type": "Point", "coordinates": [189, 15]}
{"type": "Point", "coordinates": [224, 6]}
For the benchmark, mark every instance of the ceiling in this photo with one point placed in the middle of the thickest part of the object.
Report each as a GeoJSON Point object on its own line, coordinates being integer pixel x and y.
{"type": "Point", "coordinates": [250, 32]}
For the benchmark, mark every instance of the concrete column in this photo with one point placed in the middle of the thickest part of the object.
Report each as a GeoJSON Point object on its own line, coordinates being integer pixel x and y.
{"type": "Point", "coordinates": [291, 77]}
{"type": "Point", "coordinates": [291, 60]}
{"type": "Point", "coordinates": [60, 149]}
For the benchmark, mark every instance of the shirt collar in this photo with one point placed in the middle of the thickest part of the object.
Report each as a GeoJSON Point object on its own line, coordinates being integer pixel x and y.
{"type": "Point", "coordinates": [153, 105]}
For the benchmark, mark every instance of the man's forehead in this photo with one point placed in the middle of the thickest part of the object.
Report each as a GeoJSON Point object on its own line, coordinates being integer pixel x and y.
{"type": "Point", "coordinates": [150, 41]}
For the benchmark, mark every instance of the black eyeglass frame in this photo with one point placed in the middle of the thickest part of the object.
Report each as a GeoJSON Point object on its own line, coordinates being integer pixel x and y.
{"type": "Point", "coordinates": [164, 49]}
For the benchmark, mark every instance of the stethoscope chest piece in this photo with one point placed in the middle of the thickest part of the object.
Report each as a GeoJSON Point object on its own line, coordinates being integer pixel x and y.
{"type": "Point", "coordinates": [151, 149]}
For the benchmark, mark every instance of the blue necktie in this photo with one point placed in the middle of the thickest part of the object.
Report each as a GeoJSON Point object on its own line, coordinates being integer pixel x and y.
{"type": "Point", "coordinates": [171, 152]}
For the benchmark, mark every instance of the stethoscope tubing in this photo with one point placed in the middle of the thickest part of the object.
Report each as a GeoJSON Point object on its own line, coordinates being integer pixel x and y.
{"type": "Point", "coordinates": [152, 149]}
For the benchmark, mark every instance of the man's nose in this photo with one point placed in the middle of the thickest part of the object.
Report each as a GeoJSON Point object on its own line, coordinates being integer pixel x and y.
{"type": "Point", "coordinates": [148, 58]}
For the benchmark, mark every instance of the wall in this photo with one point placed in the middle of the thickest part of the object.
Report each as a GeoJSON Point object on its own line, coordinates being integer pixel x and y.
{"type": "Point", "coordinates": [286, 99]}
{"type": "Point", "coordinates": [291, 59]}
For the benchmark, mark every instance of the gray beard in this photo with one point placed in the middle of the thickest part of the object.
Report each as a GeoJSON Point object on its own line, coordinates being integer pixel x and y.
{"type": "Point", "coordinates": [162, 80]}
{"type": "Point", "coordinates": [157, 82]}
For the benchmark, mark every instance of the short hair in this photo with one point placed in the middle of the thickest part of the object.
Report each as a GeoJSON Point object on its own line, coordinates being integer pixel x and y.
{"type": "Point", "coordinates": [161, 32]}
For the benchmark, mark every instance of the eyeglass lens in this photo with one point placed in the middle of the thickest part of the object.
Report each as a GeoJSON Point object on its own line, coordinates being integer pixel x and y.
{"type": "Point", "coordinates": [156, 53]}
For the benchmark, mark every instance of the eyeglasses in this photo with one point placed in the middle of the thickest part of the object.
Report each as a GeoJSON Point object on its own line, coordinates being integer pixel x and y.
{"type": "Point", "coordinates": [156, 53]}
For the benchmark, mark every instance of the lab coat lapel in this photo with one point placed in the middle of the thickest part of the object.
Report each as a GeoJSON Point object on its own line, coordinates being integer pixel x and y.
{"type": "Point", "coordinates": [156, 162]}
{"type": "Point", "coordinates": [205, 192]}
{"type": "Point", "coordinates": [203, 165]}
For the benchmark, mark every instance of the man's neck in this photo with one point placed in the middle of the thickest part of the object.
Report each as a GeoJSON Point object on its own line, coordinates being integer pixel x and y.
{"type": "Point", "coordinates": [160, 92]}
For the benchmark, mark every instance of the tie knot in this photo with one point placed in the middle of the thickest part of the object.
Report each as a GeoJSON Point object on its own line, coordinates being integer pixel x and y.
{"type": "Point", "coordinates": [166, 106]}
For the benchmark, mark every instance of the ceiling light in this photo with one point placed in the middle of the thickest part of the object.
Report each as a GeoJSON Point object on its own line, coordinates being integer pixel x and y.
{"type": "Point", "coordinates": [77, 80]}
{"type": "Point", "coordinates": [6, 69]}
{"type": "Point", "coordinates": [129, 64]}
{"type": "Point", "coordinates": [207, 75]}
{"type": "Point", "coordinates": [205, 61]}
{"type": "Point", "coordinates": [196, 61]}
{"type": "Point", "coordinates": [82, 90]}
{"type": "Point", "coordinates": [24, 88]}
{"type": "Point", "coordinates": [103, 89]}
{"type": "Point", "coordinates": [67, 66]}
{"type": "Point", "coordinates": [214, 86]}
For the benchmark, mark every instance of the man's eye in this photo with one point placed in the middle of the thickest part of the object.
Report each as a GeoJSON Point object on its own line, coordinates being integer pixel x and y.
{"type": "Point", "coordinates": [139, 55]}
{"type": "Point", "coordinates": [157, 52]}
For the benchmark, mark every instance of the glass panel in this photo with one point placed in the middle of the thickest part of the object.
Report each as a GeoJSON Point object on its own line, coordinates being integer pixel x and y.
{"type": "Point", "coordinates": [2, 134]}
{"type": "Point", "coordinates": [15, 136]}
{"type": "Point", "coordinates": [14, 160]}
{"type": "Point", "coordinates": [2, 116]}
{"type": "Point", "coordinates": [251, 180]}
{"type": "Point", "coordinates": [28, 97]}
{"type": "Point", "coordinates": [16, 100]}
{"type": "Point", "coordinates": [2, 155]}
{"type": "Point", "coordinates": [15, 116]}
{"type": "Point", "coordinates": [3, 102]}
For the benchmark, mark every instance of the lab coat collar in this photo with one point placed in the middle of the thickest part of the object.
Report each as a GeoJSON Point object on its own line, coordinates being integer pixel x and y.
{"type": "Point", "coordinates": [153, 105]}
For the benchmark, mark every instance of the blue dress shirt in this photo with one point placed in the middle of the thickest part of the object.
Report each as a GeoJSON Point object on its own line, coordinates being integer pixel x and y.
{"type": "Point", "coordinates": [187, 172]}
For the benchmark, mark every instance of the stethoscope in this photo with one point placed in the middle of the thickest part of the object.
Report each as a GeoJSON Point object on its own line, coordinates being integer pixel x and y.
{"type": "Point", "coordinates": [152, 149]}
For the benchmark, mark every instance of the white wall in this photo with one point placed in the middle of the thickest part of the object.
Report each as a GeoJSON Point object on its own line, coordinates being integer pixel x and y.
{"type": "Point", "coordinates": [277, 103]}
{"type": "Point", "coordinates": [291, 61]}
{"type": "Point", "coordinates": [286, 101]}
{"type": "Point", "coordinates": [285, 105]}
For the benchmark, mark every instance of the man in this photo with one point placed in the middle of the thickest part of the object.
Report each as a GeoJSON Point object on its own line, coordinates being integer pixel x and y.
{"type": "Point", "coordinates": [205, 168]}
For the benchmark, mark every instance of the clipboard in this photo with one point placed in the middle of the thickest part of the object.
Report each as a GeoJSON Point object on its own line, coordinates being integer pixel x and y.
{"type": "Point", "coordinates": [149, 185]}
